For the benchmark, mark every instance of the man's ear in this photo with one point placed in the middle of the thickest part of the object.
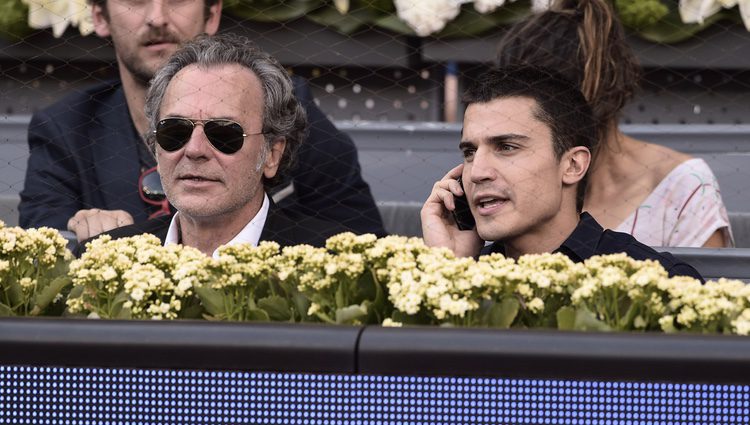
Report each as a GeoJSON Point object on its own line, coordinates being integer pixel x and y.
{"type": "Point", "coordinates": [575, 162]}
{"type": "Point", "coordinates": [273, 158]}
{"type": "Point", "coordinates": [101, 20]}
{"type": "Point", "coordinates": [213, 18]}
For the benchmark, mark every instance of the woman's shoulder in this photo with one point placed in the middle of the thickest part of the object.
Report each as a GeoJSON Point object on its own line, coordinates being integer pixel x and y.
{"type": "Point", "coordinates": [662, 160]}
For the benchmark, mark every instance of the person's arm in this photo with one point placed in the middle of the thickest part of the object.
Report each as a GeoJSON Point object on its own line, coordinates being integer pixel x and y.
{"type": "Point", "coordinates": [717, 240]}
{"type": "Point", "coordinates": [438, 226]}
{"type": "Point", "coordinates": [51, 189]}
{"type": "Point", "coordinates": [91, 222]}
{"type": "Point", "coordinates": [328, 178]}
{"type": "Point", "coordinates": [52, 194]}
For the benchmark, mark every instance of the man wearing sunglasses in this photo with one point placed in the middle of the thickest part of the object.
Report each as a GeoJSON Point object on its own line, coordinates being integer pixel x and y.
{"type": "Point", "coordinates": [89, 169]}
{"type": "Point", "coordinates": [225, 122]}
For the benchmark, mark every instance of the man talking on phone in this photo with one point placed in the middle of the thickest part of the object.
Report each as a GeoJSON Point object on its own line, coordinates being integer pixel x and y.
{"type": "Point", "coordinates": [526, 142]}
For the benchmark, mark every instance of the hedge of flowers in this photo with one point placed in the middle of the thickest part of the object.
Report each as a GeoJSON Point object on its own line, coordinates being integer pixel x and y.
{"type": "Point", "coordinates": [392, 281]}
{"type": "Point", "coordinates": [664, 21]}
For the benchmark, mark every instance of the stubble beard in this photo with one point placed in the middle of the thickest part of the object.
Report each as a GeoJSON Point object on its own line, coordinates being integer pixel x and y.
{"type": "Point", "coordinates": [139, 71]}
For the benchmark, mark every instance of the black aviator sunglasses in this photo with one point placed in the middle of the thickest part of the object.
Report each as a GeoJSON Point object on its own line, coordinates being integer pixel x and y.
{"type": "Point", "coordinates": [226, 136]}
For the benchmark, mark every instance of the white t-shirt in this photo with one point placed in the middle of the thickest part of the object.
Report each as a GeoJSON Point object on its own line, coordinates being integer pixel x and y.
{"type": "Point", "coordinates": [685, 209]}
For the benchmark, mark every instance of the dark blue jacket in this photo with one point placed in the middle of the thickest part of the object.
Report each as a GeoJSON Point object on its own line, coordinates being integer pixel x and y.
{"type": "Point", "coordinates": [85, 153]}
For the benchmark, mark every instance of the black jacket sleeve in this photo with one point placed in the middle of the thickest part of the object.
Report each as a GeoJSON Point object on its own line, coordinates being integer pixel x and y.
{"type": "Point", "coordinates": [51, 193]}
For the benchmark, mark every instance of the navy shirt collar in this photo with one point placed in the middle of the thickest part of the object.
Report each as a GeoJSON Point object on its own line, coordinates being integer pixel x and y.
{"type": "Point", "coordinates": [580, 245]}
{"type": "Point", "coordinates": [584, 241]}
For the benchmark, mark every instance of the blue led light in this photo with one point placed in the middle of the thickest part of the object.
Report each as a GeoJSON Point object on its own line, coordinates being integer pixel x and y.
{"type": "Point", "coordinates": [131, 396]}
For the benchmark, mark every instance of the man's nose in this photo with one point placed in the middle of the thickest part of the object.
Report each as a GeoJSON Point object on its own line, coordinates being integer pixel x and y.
{"type": "Point", "coordinates": [198, 146]}
{"type": "Point", "coordinates": [482, 167]}
{"type": "Point", "coordinates": [156, 14]}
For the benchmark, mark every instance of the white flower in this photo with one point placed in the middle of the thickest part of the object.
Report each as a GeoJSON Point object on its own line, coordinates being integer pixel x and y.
{"type": "Point", "coordinates": [58, 14]}
{"type": "Point", "coordinates": [639, 322]}
{"type": "Point", "coordinates": [137, 294]}
{"type": "Point", "coordinates": [742, 323]}
{"type": "Point", "coordinates": [667, 324]}
{"type": "Point", "coordinates": [427, 16]}
{"type": "Point", "coordinates": [390, 323]}
{"type": "Point", "coordinates": [539, 6]}
{"type": "Point", "coordinates": [536, 305]}
{"type": "Point", "coordinates": [109, 273]}
{"type": "Point", "coordinates": [488, 6]}
{"type": "Point", "coordinates": [314, 308]}
{"type": "Point", "coordinates": [696, 11]}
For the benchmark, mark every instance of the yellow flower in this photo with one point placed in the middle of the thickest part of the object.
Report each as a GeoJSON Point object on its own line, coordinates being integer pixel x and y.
{"type": "Point", "coordinates": [388, 322]}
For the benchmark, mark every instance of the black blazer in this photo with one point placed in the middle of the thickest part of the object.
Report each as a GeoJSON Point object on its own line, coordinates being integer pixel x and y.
{"type": "Point", "coordinates": [280, 227]}
{"type": "Point", "coordinates": [85, 153]}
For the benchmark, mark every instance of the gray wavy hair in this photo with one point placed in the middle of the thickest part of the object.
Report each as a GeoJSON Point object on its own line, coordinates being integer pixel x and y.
{"type": "Point", "coordinates": [283, 116]}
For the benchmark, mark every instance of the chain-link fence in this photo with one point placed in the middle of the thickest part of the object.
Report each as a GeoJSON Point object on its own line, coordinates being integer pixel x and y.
{"type": "Point", "coordinates": [396, 92]}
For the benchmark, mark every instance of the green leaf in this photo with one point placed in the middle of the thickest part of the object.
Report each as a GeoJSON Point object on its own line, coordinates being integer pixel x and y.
{"type": "Point", "coordinates": [271, 10]}
{"type": "Point", "coordinates": [6, 311]}
{"type": "Point", "coordinates": [118, 312]}
{"type": "Point", "coordinates": [214, 318]}
{"type": "Point", "coordinates": [278, 308]}
{"type": "Point", "coordinates": [211, 299]}
{"type": "Point", "coordinates": [566, 318]}
{"type": "Point", "coordinates": [393, 23]}
{"type": "Point", "coordinates": [302, 304]}
{"type": "Point", "coordinates": [579, 319]}
{"type": "Point", "coordinates": [14, 20]}
{"type": "Point", "coordinates": [340, 296]}
{"type": "Point", "coordinates": [502, 314]}
{"type": "Point", "coordinates": [472, 23]}
{"type": "Point", "coordinates": [414, 319]}
{"type": "Point", "coordinates": [348, 315]}
{"type": "Point", "coordinates": [671, 29]}
{"type": "Point", "coordinates": [14, 291]}
{"type": "Point", "coordinates": [48, 294]}
{"type": "Point", "coordinates": [377, 305]}
{"type": "Point", "coordinates": [257, 315]}
{"type": "Point", "coordinates": [122, 314]}
{"type": "Point", "coordinates": [191, 309]}
{"type": "Point", "coordinates": [345, 24]}
{"type": "Point", "coordinates": [640, 13]}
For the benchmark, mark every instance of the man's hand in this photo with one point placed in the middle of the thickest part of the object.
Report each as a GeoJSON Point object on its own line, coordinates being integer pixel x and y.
{"type": "Point", "coordinates": [438, 226]}
{"type": "Point", "coordinates": [89, 223]}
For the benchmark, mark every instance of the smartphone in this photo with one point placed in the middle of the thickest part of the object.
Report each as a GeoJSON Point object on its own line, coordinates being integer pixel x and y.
{"type": "Point", "coordinates": [462, 213]}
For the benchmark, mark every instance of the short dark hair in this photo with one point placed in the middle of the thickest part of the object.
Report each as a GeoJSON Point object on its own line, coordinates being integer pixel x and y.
{"type": "Point", "coordinates": [559, 105]}
{"type": "Point", "coordinates": [283, 115]}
